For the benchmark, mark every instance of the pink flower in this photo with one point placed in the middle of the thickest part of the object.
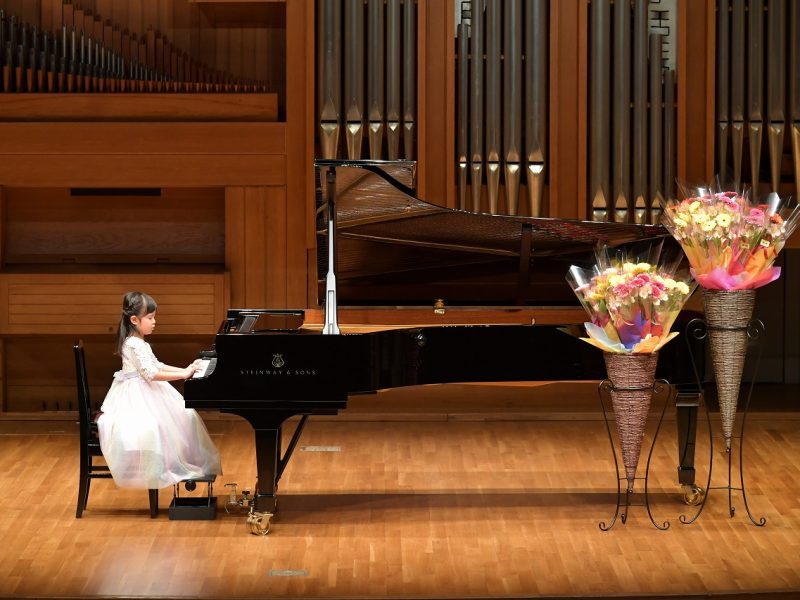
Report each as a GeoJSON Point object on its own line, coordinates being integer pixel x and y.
{"type": "Point", "coordinates": [756, 217]}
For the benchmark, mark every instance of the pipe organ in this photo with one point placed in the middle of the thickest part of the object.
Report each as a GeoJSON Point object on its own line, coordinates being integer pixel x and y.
{"type": "Point", "coordinates": [501, 106]}
{"type": "Point", "coordinates": [758, 93]}
{"type": "Point", "coordinates": [376, 60]}
{"type": "Point", "coordinates": [73, 47]}
{"type": "Point", "coordinates": [632, 123]}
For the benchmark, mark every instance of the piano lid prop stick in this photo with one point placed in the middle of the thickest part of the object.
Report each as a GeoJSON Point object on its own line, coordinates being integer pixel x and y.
{"type": "Point", "coordinates": [331, 309]}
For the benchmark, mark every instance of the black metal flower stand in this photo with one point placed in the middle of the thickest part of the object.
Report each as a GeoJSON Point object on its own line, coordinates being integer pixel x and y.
{"type": "Point", "coordinates": [624, 501]}
{"type": "Point", "coordinates": [698, 329]}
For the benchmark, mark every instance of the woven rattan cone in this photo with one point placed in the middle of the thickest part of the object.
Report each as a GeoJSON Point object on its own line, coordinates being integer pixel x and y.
{"type": "Point", "coordinates": [727, 315]}
{"type": "Point", "coordinates": [636, 372]}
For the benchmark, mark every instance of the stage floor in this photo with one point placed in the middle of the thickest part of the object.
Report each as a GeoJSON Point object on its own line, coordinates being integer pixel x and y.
{"type": "Point", "coordinates": [410, 508]}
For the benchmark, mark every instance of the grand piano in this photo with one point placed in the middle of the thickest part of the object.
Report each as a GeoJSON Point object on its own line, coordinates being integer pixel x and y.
{"type": "Point", "coordinates": [425, 295]}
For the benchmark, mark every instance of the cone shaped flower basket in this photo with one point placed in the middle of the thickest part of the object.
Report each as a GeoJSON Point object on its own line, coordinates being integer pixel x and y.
{"type": "Point", "coordinates": [728, 313]}
{"type": "Point", "coordinates": [632, 377]}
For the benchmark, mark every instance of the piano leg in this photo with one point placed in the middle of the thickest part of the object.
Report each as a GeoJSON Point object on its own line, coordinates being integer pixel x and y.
{"type": "Point", "coordinates": [269, 462]}
{"type": "Point", "coordinates": [268, 441]}
{"type": "Point", "coordinates": [686, 405]}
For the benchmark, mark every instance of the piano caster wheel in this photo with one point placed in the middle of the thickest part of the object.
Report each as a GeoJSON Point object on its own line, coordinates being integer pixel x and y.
{"type": "Point", "coordinates": [259, 522]}
{"type": "Point", "coordinates": [693, 494]}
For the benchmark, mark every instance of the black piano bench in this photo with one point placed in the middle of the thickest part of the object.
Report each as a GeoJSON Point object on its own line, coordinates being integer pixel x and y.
{"type": "Point", "coordinates": [194, 508]}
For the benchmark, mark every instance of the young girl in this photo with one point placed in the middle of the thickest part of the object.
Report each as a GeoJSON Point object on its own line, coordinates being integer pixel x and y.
{"type": "Point", "coordinates": [148, 437]}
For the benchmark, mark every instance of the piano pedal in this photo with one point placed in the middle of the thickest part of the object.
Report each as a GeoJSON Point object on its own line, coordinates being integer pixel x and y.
{"type": "Point", "coordinates": [259, 522]}
{"type": "Point", "coordinates": [236, 503]}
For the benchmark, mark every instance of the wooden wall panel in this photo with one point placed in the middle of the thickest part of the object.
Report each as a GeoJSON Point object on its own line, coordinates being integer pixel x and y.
{"type": "Point", "coordinates": [299, 151]}
{"type": "Point", "coordinates": [3, 227]}
{"type": "Point", "coordinates": [696, 90]}
{"type": "Point", "coordinates": [255, 234]}
{"type": "Point", "coordinates": [49, 225]}
{"type": "Point", "coordinates": [32, 388]}
{"type": "Point", "coordinates": [235, 249]}
{"type": "Point", "coordinates": [568, 122]}
{"type": "Point", "coordinates": [436, 101]}
{"type": "Point", "coordinates": [136, 170]}
{"type": "Point", "coordinates": [276, 247]}
{"type": "Point", "coordinates": [139, 107]}
{"type": "Point", "coordinates": [58, 304]}
{"type": "Point", "coordinates": [256, 246]}
{"type": "Point", "coordinates": [3, 403]}
{"type": "Point", "coordinates": [159, 155]}
{"type": "Point", "coordinates": [202, 139]}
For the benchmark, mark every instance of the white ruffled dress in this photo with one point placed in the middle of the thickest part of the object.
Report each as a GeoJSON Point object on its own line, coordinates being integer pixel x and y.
{"type": "Point", "coordinates": [148, 437]}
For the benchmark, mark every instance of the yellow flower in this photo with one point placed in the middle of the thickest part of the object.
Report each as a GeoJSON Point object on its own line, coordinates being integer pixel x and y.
{"type": "Point", "coordinates": [615, 280]}
{"type": "Point", "coordinates": [724, 220]}
{"type": "Point", "coordinates": [694, 206]}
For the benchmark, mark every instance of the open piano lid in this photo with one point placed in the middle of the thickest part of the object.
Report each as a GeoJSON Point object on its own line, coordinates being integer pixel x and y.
{"type": "Point", "coordinates": [393, 248]}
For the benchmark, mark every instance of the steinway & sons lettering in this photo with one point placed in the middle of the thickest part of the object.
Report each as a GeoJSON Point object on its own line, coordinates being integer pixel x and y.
{"type": "Point", "coordinates": [278, 372]}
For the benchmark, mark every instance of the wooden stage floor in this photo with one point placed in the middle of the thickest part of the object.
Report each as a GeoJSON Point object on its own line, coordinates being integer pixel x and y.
{"type": "Point", "coordinates": [427, 505]}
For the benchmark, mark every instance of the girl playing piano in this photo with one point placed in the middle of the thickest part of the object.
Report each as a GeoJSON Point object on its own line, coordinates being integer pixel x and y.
{"type": "Point", "coordinates": [148, 437]}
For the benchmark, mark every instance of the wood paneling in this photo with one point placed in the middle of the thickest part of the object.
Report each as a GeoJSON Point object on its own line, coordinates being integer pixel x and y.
{"type": "Point", "coordinates": [204, 139]}
{"type": "Point", "coordinates": [32, 388]}
{"type": "Point", "coordinates": [696, 90]}
{"type": "Point", "coordinates": [102, 170]}
{"type": "Point", "coordinates": [568, 122]}
{"type": "Point", "coordinates": [56, 304]}
{"type": "Point", "coordinates": [47, 225]}
{"type": "Point", "coordinates": [256, 246]}
{"type": "Point", "coordinates": [139, 107]}
{"type": "Point", "coordinates": [299, 198]}
{"type": "Point", "coordinates": [436, 103]}
{"type": "Point", "coordinates": [3, 227]}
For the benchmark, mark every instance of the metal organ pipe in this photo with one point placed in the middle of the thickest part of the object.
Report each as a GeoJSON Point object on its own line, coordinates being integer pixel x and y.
{"type": "Point", "coordinates": [599, 113]}
{"type": "Point", "coordinates": [536, 90]}
{"type": "Point", "coordinates": [770, 31]}
{"type": "Point", "coordinates": [375, 80]}
{"type": "Point", "coordinates": [354, 76]}
{"type": "Point", "coordinates": [512, 101]}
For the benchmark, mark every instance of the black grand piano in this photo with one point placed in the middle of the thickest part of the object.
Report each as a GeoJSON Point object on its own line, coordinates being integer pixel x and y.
{"type": "Point", "coordinates": [490, 294]}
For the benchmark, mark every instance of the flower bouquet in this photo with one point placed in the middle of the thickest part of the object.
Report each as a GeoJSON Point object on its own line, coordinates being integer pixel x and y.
{"type": "Point", "coordinates": [731, 243]}
{"type": "Point", "coordinates": [632, 299]}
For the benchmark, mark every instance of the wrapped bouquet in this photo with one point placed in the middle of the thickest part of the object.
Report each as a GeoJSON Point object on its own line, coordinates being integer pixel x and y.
{"type": "Point", "coordinates": [731, 242]}
{"type": "Point", "coordinates": [632, 298]}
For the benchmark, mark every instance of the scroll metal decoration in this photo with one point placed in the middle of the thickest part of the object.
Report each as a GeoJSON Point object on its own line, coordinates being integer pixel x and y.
{"type": "Point", "coordinates": [367, 78]}
{"type": "Point", "coordinates": [631, 138]}
{"type": "Point", "coordinates": [501, 105]}
{"type": "Point", "coordinates": [758, 79]}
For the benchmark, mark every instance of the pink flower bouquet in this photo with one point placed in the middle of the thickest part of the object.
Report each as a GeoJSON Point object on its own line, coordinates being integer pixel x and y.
{"type": "Point", "coordinates": [731, 242]}
{"type": "Point", "coordinates": [631, 300]}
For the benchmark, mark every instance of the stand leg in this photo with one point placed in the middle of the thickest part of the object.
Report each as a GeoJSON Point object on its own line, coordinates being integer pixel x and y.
{"type": "Point", "coordinates": [755, 330]}
{"type": "Point", "coordinates": [661, 386]}
{"type": "Point", "coordinates": [604, 390]}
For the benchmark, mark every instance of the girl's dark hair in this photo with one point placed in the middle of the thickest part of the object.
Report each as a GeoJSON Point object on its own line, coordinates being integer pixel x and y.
{"type": "Point", "coordinates": [136, 304]}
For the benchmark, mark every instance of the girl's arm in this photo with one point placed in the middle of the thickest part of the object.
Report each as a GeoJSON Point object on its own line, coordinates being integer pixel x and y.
{"type": "Point", "coordinates": [170, 373]}
{"type": "Point", "coordinates": [167, 373]}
